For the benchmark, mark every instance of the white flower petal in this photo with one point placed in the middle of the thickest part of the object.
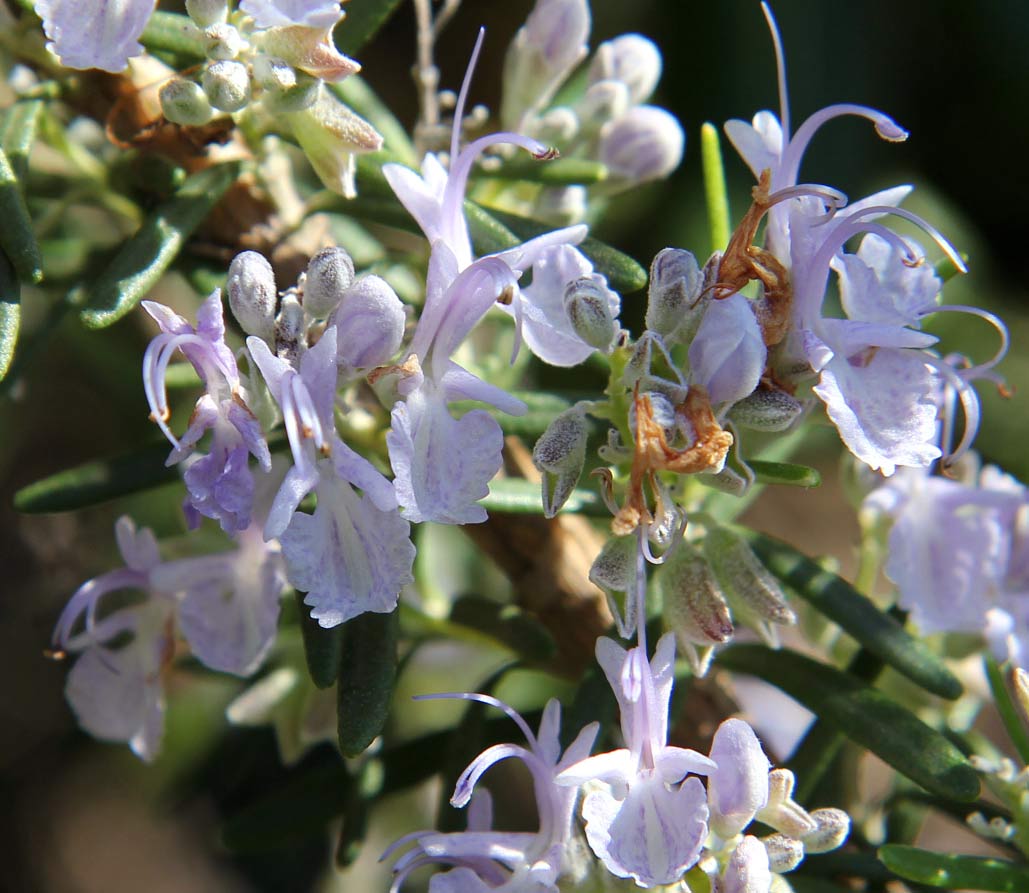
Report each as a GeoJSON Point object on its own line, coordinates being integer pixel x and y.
{"type": "Point", "coordinates": [94, 33]}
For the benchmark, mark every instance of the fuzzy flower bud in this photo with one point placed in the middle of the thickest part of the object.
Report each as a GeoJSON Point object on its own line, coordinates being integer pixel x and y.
{"type": "Point", "coordinates": [602, 102]}
{"type": "Point", "coordinates": [751, 590]}
{"type": "Point", "coordinates": [728, 354]}
{"type": "Point", "coordinates": [207, 12]}
{"type": "Point", "coordinates": [613, 571]}
{"type": "Point", "coordinates": [747, 871]}
{"type": "Point", "coordinates": [329, 274]}
{"type": "Point", "coordinates": [370, 321]}
{"type": "Point", "coordinates": [227, 85]}
{"type": "Point", "coordinates": [274, 74]}
{"type": "Point", "coordinates": [222, 42]}
{"type": "Point", "coordinates": [559, 455]}
{"type": "Point", "coordinates": [646, 143]}
{"type": "Point", "coordinates": [694, 607]}
{"type": "Point", "coordinates": [290, 330]}
{"type": "Point", "coordinates": [252, 294]}
{"type": "Point", "coordinates": [589, 312]}
{"type": "Point", "coordinates": [766, 410]}
{"type": "Point", "coordinates": [183, 102]}
{"type": "Point", "coordinates": [674, 292]}
{"type": "Point", "coordinates": [631, 59]}
{"type": "Point", "coordinates": [833, 828]}
{"type": "Point", "coordinates": [784, 853]}
{"type": "Point", "coordinates": [557, 126]}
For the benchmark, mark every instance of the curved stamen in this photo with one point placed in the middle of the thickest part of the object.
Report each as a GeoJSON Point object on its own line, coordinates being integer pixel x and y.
{"type": "Point", "coordinates": [490, 701]}
{"type": "Point", "coordinates": [677, 538]}
{"type": "Point", "coordinates": [969, 407]}
{"type": "Point", "coordinates": [289, 419]}
{"type": "Point", "coordinates": [455, 133]}
{"type": "Point", "coordinates": [982, 370]}
{"type": "Point", "coordinates": [780, 70]}
{"type": "Point", "coordinates": [835, 199]}
{"type": "Point", "coordinates": [84, 600]}
{"type": "Point", "coordinates": [794, 149]}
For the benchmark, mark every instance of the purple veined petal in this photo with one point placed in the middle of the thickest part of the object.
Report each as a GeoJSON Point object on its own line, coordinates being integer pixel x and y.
{"type": "Point", "coordinates": [662, 674]}
{"type": "Point", "coordinates": [548, 744]}
{"type": "Point", "coordinates": [457, 383]}
{"type": "Point", "coordinates": [522, 257]}
{"type": "Point", "coordinates": [654, 835]}
{"type": "Point", "coordinates": [421, 196]}
{"type": "Point", "coordinates": [748, 870]}
{"type": "Point", "coordinates": [298, 482]}
{"type": "Point", "coordinates": [211, 318]}
{"type": "Point", "coordinates": [849, 337]}
{"type": "Point", "coordinates": [348, 556]}
{"type": "Point", "coordinates": [221, 487]}
{"type": "Point", "coordinates": [611, 656]}
{"type": "Point", "coordinates": [318, 372]}
{"type": "Point", "coordinates": [249, 428]}
{"type": "Point", "coordinates": [738, 788]}
{"type": "Point", "coordinates": [272, 368]}
{"type": "Point", "coordinates": [100, 34]}
{"type": "Point", "coordinates": [136, 545]}
{"type": "Point", "coordinates": [673, 764]}
{"type": "Point", "coordinates": [758, 143]}
{"type": "Point", "coordinates": [728, 354]}
{"type": "Point", "coordinates": [205, 416]}
{"type": "Point", "coordinates": [370, 322]}
{"type": "Point", "coordinates": [443, 270]}
{"type": "Point", "coordinates": [884, 409]}
{"type": "Point", "coordinates": [442, 465]}
{"type": "Point", "coordinates": [580, 748]}
{"type": "Point", "coordinates": [357, 470]}
{"type": "Point", "coordinates": [276, 13]}
{"type": "Point", "coordinates": [616, 767]}
{"type": "Point", "coordinates": [167, 319]}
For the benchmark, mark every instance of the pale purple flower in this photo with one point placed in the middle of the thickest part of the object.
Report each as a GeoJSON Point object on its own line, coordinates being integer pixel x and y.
{"type": "Point", "coordinates": [319, 14]}
{"type": "Point", "coordinates": [727, 355]}
{"type": "Point", "coordinates": [748, 870]}
{"type": "Point", "coordinates": [645, 143]}
{"type": "Point", "coordinates": [516, 862]}
{"type": "Point", "coordinates": [354, 553]}
{"type": "Point", "coordinates": [220, 483]}
{"type": "Point", "coordinates": [648, 821]}
{"type": "Point", "coordinates": [94, 33]}
{"type": "Point", "coordinates": [738, 788]}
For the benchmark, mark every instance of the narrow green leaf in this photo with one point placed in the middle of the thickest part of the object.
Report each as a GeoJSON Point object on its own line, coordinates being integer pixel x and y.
{"type": "Point", "coordinates": [142, 260]}
{"type": "Point", "coordinates": [323, 648]}
{"type": "Point", "coordinates": [488, 234]}
{"type": "Point", "coordinates": [624, 274]}
{"type": "Point", "coordinates": [98, 481]}
{"type": "Point", "coordinates": [863, 714]}
{"type": "Point", "coordinates": [19, 133]}
{"type": "Point", "coordinates": [17, 239]}
{"type": "Point", "coordinates": [172, 33]}
{"type": "Point", "coordinates": [562, 172]}
{"type": "Point", "coordinates": [507, 624]}
{"type": "Point", "coordinates": [1006, 707]}
{"type": "Point", "coordinates": [954, 872]}
{"type": "Point", "coordinates": [363, 20]}
{"type": "Point", "coordinates": [10, 313]}
{"type": "Point", "coordinates": [518, 496]}
{"type": "Point", "coordinates": [879, 633]}
{"type": "Point", "coordinates": [367, 674]}
{"type": "Point", "coordinates": [715, 190]}
{"type": "Point", "coordinates": [784, 473]}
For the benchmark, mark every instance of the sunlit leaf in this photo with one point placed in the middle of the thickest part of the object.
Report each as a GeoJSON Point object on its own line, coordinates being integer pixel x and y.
{"type": "Point", "coordinates": [19, 133]}
{"type": "Point", "coordinates": [10, 313]}
{"type": "Point", "coordinates": [954, 872]}
{"type": "Point", "coordinates": [17, 239]}
{"type": "Point", "coordinates": [784, 473]}
{"type": "Point", "coordinates": [522, 497]}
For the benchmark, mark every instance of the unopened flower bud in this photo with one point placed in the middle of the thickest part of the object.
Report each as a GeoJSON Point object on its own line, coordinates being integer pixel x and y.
{"type": "Point", "coordinates": [274, 74]}
{"type": "Point", "coordinates": [727, 354]}
{"type": "Point", "coordinates": [310, 50]}
{"type": "Point", "coordinates": [290, 330]}
{"type": "Point", "coordinates": [614, 570]}
{"type": "Point", "coordinates": [561, 205]}
{"type": "Point", "coordinates": [222, 42]}
{"type": "Point", "coordinates": [767, 409]}
{"type": "Point", "coordinates": [589, 310]}
{"type": "Point", "coordinates": [784, 853]}
{"type": "Point", "coordinates": [559, 455]}
{"type": "Point", "coordinates": [183, 102]}
{"type": "Point", "coordinates": [693, 605]}
{"type": "Point", "coordinates": [557, 126]}
{"type": "Point", "coordinates": [604, 101]}
{"type": "Point", "coordinates": [646, 143]}
{"type": "Point", "coordinates": [207, 12]}
{"type": "Point", "coordinates": [747, 871]}
{"type": "Point", "coordinates": [329, 274]}
{"type": "Point", "coordinates": [227, 85]}
{"type": "Point", "coordinates": [632, 59]}
{"type": "Point", "coordinates": [543, 53]}
{"type": "Point", "coordinates": [833, 828]}
{"type": "Point", "coordinates": [754, 594]}
{"type": "Point", "coordinates": [783, 812]}
{"type": "Point", "coordinates": [252, 295]}
{"type": "Point", "coordinates": [673, 296]}
{"type": "Point", "coordinates": [369, 321]}
{"type": "Point", "coordinates": [738, 789]}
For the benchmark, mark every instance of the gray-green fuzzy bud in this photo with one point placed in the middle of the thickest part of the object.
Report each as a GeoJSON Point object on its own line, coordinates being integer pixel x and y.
{"type": "Point", "coordinates": [833, 828]}
{"type": "Point", "coordinates": [183, 102]}
{"type": "Point", "coordinates": [766, 410]}
{"type": "Point", "coordinates": [784, 853]}
{"type": "Point", "coordinates": [693, 604]}
{"type": "Point", "coordinates": [207, 12]}
{"type": "Point", "coordinates": [227, 85]}
{"type": "Point", "coordinates": [559, 455]}
{"type": "Point", "coordinates": [589, 312]}
{"type": "Point", "coordinates": [614, 570]}
{"type": "Point", "coordinates": [290, 330]}
{"type": "Point", "coordinates": [673, 297]}
{"type": "Point", "coordinates": [252, 294]}
{"type": "Point", "coordinates": [754, 594]}
{"type": "Point", "coordinates": [329, 274]}
{"type": "Point", "coordinates": [222, 42]}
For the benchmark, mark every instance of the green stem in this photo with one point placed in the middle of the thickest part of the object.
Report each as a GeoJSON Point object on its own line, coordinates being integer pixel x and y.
{"type": "Point", "coordinates": [715, 189]}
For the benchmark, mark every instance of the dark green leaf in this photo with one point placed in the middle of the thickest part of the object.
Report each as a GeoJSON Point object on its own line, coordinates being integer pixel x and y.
{"type": "Point", "coordinates": [19, 133]}
{"type": "Point", "coordinates": [839, 601]}
{"type": "Point", "coordinates": [363, 20]}
{"type": "Point", "coordinates": [174, 34]}
{"type": "Point", "coordinates": [142, 260]}
{"type": "Point", "coordinates": [954, 872]}
{"type": "Point", "coordinates": [488, 234]}
{"type": "Point", "coordinates": [17, 239]}
{"type": "Point", "coordinates": [863, 714]}
{"type": "Point", "coordinates": [624, 274]}
{"type": "Point", "coordinates": [1010, 715]}
{"type": "Point", "coordinates": [10, 313]}
{"type": "Point", "coordinates": [563, 172]}
{"type": "Point", "coordinates": [784, 473]}
{"type": "Point", "coordinates": [323, 648]}
{"type": "Point", "coordinates": [521, 497]}
{"type": "Point", "coordinates": [367, 674]}
{"type": "Point", "coordinates": [508, 624]}
{"type": "Point", "coordinates": [98, 481]}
